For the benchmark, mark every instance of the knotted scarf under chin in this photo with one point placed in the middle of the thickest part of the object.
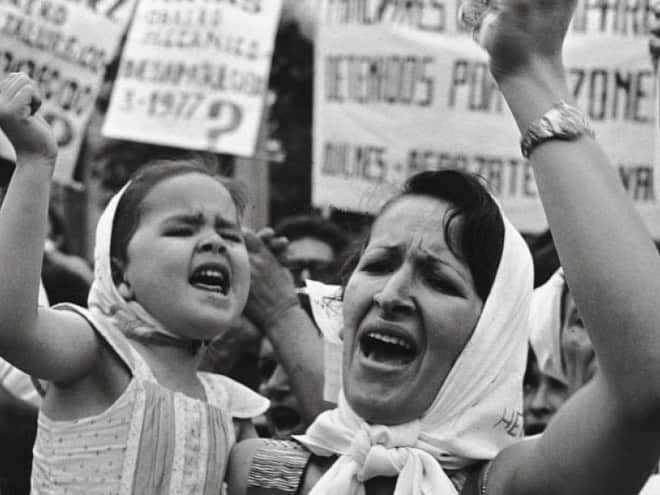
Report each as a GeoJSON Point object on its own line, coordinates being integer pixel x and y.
{"type": "Point", "coordinates": [385, 451]}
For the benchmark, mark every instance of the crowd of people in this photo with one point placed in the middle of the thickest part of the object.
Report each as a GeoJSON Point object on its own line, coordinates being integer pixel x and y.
{"type": "Point", "coordinates": [457, 376]}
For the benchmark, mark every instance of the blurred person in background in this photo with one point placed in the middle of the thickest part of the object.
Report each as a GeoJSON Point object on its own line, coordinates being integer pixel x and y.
{"type": "Point", "coordinates": [284, 417]}
{"type": "Point", "coordinates": [561, 359]}
{"type": "Point", "coordinates": [315, 248]}
{"type": "Point", "coordinates": [235, 353]}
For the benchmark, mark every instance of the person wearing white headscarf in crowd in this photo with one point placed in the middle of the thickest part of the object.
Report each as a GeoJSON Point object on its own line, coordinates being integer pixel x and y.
{"type": "Point", "coordinates": [125, 410]}
{"type": "Point", "coordinates": [392, 433]}
{"type": "Point", "coordinates": [561, 358]}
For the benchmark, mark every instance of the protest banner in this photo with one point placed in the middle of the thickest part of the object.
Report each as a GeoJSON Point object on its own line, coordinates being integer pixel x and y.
{"type": "Point", "coordinates": [57, 43]}
{"type": "Point", "coordinates": [195, 74]}
{"type": "Point", "coordinates": [402, 87]}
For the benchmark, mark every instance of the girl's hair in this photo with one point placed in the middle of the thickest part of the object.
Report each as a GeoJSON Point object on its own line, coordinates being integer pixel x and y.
{"type": "Point", "coordinates": [129, 209]}
{"type": "Point", "coordinates": [478, 238]}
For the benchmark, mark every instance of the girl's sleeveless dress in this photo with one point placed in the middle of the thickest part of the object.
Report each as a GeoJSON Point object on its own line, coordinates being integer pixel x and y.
{"type": "Point", "coordinates": [150, 441]}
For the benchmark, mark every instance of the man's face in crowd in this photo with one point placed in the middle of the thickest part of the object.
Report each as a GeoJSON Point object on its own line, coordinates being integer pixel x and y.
{"type": "Point", "coordinates": [309, 257]}
{"type": "Point", "coordinates": [544, 395]}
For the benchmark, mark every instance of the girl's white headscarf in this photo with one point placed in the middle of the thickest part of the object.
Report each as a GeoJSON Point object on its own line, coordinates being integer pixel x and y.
{"type": "Point", "coordinates": [106, 303]}
{"type": "Point", "coordinates": [477, 412]}
{"type": "Point", "coordinates": [104, 300]}
{"type": "Point", "coordinates": [545, 326]}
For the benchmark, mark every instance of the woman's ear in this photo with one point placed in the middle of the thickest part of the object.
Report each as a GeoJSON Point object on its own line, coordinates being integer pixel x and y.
{"type": "Point", "coordinates": [118, 278]}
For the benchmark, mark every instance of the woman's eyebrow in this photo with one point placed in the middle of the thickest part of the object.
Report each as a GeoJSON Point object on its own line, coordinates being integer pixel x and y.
{"type": "Point", "coordinates": [430, 258]}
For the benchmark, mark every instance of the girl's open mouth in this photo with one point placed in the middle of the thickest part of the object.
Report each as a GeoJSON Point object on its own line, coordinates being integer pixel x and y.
{"type": "Point", "coordinates": [212, 277]}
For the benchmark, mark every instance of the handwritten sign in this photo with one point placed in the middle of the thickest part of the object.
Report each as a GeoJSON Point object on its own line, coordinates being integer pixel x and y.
{"type": "Point", "coordinates": [194, 74]}
{"type": "Point", "coordinates": [401, 87]}
{"type": "Point", "coordinates": [652, 486]}
{"type": "Point", "coordinates": [57, 43]}
{"type": "Point", "coordinates": [325, 301]}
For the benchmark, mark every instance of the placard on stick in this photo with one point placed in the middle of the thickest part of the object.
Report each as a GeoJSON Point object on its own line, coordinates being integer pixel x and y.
{"type": "Point", "coordinates": [57, 43]}
{"type": "Point", "coordinates": [194, 74]}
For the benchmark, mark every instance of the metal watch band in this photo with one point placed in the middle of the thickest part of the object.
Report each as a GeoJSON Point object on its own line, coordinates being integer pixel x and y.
{"type": "Point", "coordinates": [562, 121]}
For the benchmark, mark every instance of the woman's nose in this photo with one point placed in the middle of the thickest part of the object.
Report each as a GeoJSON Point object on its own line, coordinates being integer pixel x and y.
{"type": "Point", "coordinates": [394, 297]}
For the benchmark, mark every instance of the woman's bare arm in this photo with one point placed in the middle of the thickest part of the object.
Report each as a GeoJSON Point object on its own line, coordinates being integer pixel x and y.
{"type": "Point", "coordinates": [606, 439]}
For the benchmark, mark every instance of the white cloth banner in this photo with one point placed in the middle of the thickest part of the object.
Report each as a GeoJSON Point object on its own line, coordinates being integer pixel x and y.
{"type": "Point", "coordinates": [64, 45]}
{"type": "Point", "coordinates": [400, 87]}
{"type": "Point", "coordinates": [195, 74]}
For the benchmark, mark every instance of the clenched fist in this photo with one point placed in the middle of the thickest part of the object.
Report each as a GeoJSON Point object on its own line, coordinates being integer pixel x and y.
{"type": "Point", "coordinates": [27, 131]}
{"type": "Point", "coordinates": [519, 34]}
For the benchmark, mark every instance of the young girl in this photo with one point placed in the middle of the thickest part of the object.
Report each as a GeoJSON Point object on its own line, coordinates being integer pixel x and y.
{"type": "Point", "coordinates": [125, 410]}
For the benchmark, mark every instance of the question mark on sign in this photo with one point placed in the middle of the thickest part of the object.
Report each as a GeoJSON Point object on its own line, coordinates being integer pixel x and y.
{"type": "Point", "coordinates": [230, 116]}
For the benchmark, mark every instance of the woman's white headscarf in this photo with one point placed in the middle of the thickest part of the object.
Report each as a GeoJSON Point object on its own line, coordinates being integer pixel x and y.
{"type": "Point", "coordinates": [477, 412]}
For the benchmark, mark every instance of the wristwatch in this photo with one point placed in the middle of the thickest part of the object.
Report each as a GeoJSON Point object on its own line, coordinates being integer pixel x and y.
{"type": "Point", "coordinates": [562, 121]}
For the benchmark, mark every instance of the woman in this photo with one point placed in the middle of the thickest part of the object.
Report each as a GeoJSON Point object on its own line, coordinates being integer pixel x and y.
{"type": "Point", "coordinates": [440, 414]}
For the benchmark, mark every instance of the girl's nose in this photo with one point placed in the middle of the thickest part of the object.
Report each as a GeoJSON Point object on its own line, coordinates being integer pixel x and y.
{"type": "Point", "coordinates": [213, 243]}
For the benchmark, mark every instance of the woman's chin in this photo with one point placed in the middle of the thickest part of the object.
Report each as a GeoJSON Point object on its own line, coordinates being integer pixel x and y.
{"type": "Point", "coordinates": [379, 409]}
{"type": "Point", "coordinates": [384, 393]}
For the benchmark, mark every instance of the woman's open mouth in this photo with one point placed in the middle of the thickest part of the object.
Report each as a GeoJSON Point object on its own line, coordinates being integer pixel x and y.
{"type": "Point", "coordinates": [385, 347]}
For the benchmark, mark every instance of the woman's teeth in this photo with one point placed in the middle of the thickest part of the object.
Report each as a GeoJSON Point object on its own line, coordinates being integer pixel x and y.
{"type": "Point", "coordinates": [389, 339]}
{"type": "Point", "coordinates": [387, 348]}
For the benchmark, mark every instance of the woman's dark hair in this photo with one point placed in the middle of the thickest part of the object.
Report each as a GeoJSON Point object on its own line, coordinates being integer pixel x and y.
{"type": "Point", "coordinates": [129, 210]}
{"type": "Point", "coordinates": [478, 236]}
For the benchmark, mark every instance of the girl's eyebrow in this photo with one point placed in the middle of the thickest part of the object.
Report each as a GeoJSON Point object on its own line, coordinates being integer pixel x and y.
{"type": "Point", "coordinates": [221, 222]}
{"type": "Point", "coordinates": [187, 218]}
